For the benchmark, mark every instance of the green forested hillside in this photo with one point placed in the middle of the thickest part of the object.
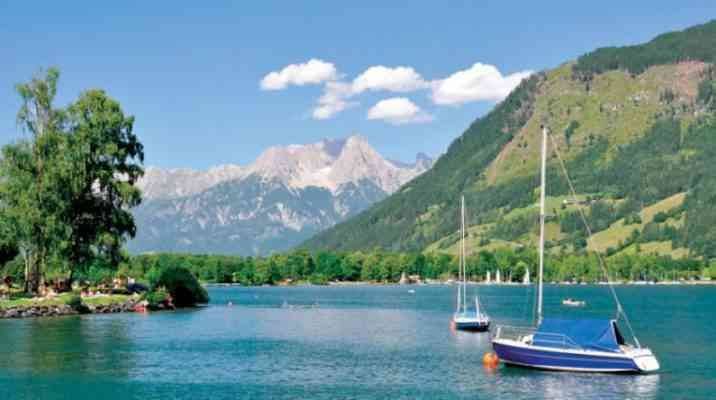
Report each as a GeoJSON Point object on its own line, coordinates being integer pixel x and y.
{"type": "Point", "coordinates": [695, 43]}
{"type": "Point", "coordinates": [636, 126]}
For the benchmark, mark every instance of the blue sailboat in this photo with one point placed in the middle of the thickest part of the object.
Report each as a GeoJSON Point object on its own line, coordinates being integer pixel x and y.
{"type": "Point", "coordinates": [463, 319]}
{"type": "Point", "coordinates": [587, 345]}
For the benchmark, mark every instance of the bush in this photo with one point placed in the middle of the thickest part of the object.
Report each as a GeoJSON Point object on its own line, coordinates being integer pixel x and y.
{"type": "Point", "coordinates": [660, 217]}
{"type": "Point", "coordinates": [98, 274]}
{"type": "Point", "coordinates": [75, 301]}
{"type": "Point", "coordinates": [156, 297]}
{"type": "Point", "coordinates": [318, 279]}
{"type": "Point", "coordinates": [182, 285]}
{"type": "Point", "coordinates": [633, 218]}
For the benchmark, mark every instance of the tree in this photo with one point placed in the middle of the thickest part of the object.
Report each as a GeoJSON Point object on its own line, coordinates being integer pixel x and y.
{"type": "Point", "coordinates": [29, 190]}
{"type": "Point", "coordinates": [67, 190]}
{"type": "Point", "coordinates": [104, 163]}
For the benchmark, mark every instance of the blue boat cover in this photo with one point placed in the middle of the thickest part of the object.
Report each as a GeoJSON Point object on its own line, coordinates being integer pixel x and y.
{"type": "Point", "coordinates": [593, 334]}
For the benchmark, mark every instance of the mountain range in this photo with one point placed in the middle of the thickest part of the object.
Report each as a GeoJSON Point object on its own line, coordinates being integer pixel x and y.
{"type": "Point", "coordinates": [288, 194]}
{"type": "Point", "coordinates": [636, 129]}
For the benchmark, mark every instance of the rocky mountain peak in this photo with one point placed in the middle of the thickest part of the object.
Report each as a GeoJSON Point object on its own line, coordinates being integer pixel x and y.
{"type": "Point", "coordinates": [327, 164]}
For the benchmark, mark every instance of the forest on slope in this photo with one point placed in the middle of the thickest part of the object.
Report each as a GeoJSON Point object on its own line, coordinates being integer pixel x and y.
{"type": "Point", "coordinates": [636, 126]}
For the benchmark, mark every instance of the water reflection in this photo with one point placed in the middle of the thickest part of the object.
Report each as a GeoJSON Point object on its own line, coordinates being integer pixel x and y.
{"type": "Point", "coordinates": [56, 346]}
{"type": "Point", "coordinates": [563, 385]}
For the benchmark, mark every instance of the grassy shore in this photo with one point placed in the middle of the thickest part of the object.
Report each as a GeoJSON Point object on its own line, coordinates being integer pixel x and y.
{"type": "Point", "coordinates": [20, 301]}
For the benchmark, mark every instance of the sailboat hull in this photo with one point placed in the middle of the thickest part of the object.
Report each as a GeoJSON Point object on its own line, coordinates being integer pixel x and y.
{"type": "Point", "coordinates": [475, 326]}
{"type": "Point", "coordinates": [524, 355]}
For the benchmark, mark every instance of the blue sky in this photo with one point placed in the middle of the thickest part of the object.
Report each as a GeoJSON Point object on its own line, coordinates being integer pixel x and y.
{"type": "Point", "coordinates": [191, 74]}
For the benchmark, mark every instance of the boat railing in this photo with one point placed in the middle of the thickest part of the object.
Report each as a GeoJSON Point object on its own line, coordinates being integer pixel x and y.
{"type": "Point", "coordinates": [559, 340]}
{"type": "Point", "coordinates": [526, 334]}
{"type": "Point", "coordinates": [514, 332]}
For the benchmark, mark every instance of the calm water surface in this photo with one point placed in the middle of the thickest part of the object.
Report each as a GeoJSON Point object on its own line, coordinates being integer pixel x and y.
{"type": "Point", "coordinates": [363, 342]}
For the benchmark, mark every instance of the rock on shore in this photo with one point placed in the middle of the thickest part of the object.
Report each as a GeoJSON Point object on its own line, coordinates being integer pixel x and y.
{"type": "Point", "coordinates": [59, 310]}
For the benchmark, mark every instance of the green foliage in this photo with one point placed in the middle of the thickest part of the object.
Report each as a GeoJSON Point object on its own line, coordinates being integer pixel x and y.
{"type": "Point", "coordinates": [707, 90]}
{"type": "Point", "coordinates": [513, 228]}
{"type": "Point", "coordinates": [383, 266]}
{"type": "Point", "coordinates": [711, 271]}
{"type": "Point", "coordinates": [569, 132]}
{"type": "Point", "coordinates": [318, 279]}
{"type": "Point", "coordinates": [660, 217]}
{"type": "Point", "coordinates": [75, 301]}
{"type": "Point", "coordinates": [8, 252]}
{"type": "Point", "coordinates": [156, 297]}
{"type": "Point", "coordinates": [695, 43]}
{"type": "Point", "coordinates": [660, 172]}
{"type": "Point", "coordinates": [15, 269]}
{"type": "Point", "coordinates": [633, 218]}
{"type": "Point", "coordinates": [182, 285]}
{"type": "Point", "coordinates": [699, 230]}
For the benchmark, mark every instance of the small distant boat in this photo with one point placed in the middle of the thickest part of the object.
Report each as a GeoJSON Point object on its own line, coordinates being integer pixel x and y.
{"type": "Point", "coordinates": [462, 319]}
{"type": "Point", "coordinates": [411, 291]}
{"type": "Point", "coordinates": [573, 303]}
{"type": "Point", "coordinates": [526, 278]}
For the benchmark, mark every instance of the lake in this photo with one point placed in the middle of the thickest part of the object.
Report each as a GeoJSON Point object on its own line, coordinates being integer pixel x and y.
{"type": "Point", "coordinates": [352, 342]}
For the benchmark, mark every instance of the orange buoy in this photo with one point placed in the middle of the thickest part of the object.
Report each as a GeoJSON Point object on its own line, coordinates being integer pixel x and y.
{"type": "Point", "coordinates": [490, 360]}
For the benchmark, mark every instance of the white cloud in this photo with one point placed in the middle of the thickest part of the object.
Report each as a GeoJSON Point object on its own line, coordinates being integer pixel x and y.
{"type": "Point", "coordinates": [313, 71]}
{"type": "Point", "coordinates": [335, 98]}
{"type": "Point", "coordinates": [336, 94]}
{"type": "Point", "coordinates": [398, 111]}
{"type": "Point", "coordinates": [398, 79]}
{"type": "Point", "coordinates": [481, 82]}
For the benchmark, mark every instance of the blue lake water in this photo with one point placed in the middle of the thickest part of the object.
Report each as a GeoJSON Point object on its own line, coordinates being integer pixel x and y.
{"type": "Point", "coordinates": [357, 342]}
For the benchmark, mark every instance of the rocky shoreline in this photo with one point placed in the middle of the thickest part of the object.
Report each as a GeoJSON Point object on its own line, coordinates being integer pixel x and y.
{"type": "Point", "coordinates": [34, 311]}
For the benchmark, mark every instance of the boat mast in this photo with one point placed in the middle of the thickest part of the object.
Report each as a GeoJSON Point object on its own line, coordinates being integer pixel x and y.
{"type": "Point", "coordinates": [543, 184]}
{"type": "Point", "coordinates": [459, 271]}
{"type": "Point", "coordinates": [462, 257]}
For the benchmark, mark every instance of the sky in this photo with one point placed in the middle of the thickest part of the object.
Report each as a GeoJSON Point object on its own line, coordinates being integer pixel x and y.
{"type": "Point", "coordinates": [219, 82]}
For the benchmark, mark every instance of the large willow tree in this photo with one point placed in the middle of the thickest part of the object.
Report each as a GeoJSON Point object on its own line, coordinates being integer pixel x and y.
{"type": "Point", "coordinates": [66, 190]}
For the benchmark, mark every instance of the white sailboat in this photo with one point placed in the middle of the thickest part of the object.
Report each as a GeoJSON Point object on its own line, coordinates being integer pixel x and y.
{"type": "Point", "coordinates": [498, 279]}
{"type": "Point", "coordinates": [526, 278]}
{"type": "Point", "coordinates": [462, 319]}
{"type": "Point", "coordinates": [586, 345]}
{"type": "Point", "coordinates": [488, 278]}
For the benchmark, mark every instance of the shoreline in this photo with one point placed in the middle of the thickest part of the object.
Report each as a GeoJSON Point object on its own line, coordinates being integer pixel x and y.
{"type": "Point", "coordinates": [111, 304]}
{"type": "Point", "coordinates": [482, 283]}
{"type": "Point", "coordinates": [59, 310]}
{"type": "Point", "coordinates": [56, 307]}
